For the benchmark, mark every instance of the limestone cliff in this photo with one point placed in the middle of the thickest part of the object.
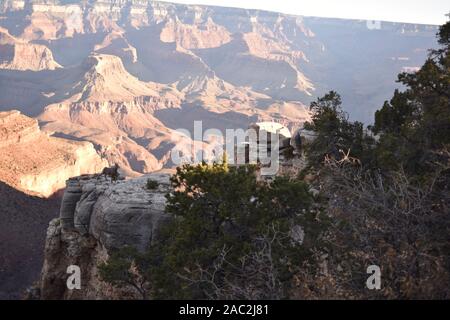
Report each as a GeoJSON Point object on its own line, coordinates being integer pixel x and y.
{"type": "Point", "coordinates": [96, 217]}
{"type": "Point", "coordinates": [39, 164]}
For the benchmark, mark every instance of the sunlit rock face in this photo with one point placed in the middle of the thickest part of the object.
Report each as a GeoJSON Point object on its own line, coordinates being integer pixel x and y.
{"type": "Point", "coordinates": [17, 54]}
{"type": "Point", "coordinates": [37, 163]}
{"type": "Point", "coordinates": [125, 74]}
{"type": "Point", "coordinates": [17, 128]}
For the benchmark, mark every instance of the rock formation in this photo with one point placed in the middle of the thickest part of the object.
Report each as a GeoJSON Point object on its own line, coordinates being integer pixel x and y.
{"type": "Point", "coordinates": [130, 72]}
{"type": "Point", "coordinates": [113, 109]}
{"type": "Point", "coordinates": [288, 58]}
{"type": "Point", "coordinates": [39, 164]}
{"type": "Point", "coordinates": [16, 54]}
{"type": "Point", "coordinates": [96, 217]}
{"type": "Point", "coordinates": [195, 36]}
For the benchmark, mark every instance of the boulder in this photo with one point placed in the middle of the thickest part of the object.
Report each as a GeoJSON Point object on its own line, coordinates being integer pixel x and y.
{"type": "Point", "coordinates": [116, 213]}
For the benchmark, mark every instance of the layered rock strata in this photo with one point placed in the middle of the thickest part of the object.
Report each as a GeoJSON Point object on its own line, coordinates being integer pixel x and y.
{"type": "Point", "coordinates": [37, 163]}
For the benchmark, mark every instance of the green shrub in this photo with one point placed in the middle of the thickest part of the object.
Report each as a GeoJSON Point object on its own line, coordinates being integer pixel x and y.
{"type": "Point", "coordinates": [152, 184]}
{"type": "Point", "coordinates": [227, 223]}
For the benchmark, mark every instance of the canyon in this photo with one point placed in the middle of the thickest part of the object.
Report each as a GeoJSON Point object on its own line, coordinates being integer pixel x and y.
{"type": "Point", "coordinates": [124, 75]}
{"type": "Point", "coordinates": [88, 84]}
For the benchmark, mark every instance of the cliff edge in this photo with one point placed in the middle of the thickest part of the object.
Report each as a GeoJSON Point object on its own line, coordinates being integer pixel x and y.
{"type": "Point", "coordinates": [98, 216]}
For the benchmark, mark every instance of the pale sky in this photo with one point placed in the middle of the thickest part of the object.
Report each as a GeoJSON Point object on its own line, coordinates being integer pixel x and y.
{"type": "Point", "coordinates": [414, 11]}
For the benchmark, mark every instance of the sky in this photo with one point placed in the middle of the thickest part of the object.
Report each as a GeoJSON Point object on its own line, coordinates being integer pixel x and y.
{"type": "Point", "coordinates": [413, 11]}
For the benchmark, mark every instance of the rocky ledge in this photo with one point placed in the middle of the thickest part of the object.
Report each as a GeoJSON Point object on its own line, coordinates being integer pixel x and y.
{"type": "Point", "coordinates": [97, 216]}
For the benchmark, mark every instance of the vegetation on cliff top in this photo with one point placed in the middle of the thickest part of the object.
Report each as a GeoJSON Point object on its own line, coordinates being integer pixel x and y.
{"type": "Point", "coordinates": [231, 237]}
